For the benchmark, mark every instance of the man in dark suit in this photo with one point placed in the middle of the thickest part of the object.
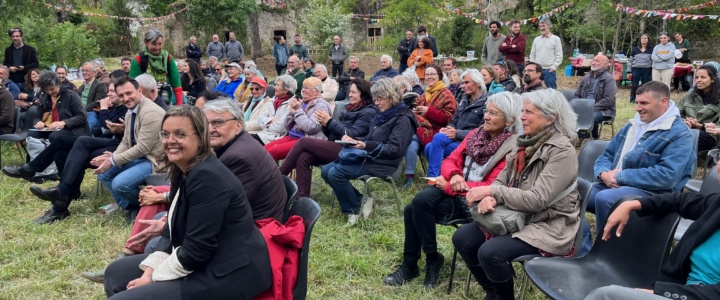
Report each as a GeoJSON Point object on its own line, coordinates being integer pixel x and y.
{"type": "Point", "coordinates": [20, 58]}
{"type": "Point", "coordinates": [403, 49]}
{"type": "Point", "coordinates": [192, 51]}
{"type": "Point", "coordinates": [91, 92]}
{"type": "Point", "coordinates": [422, 33]}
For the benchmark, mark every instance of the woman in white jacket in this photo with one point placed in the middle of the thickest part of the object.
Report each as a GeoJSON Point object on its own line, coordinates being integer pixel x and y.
{"type": "Point", "coordinates": [270, 124]}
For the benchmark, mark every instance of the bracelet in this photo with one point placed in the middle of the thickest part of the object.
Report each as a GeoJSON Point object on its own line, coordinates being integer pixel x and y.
{"type": "Point", "coordinates": [167, 197]}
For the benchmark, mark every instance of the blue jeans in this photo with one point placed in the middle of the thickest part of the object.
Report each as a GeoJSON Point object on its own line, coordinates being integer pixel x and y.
{"type": "Point", "coordinates": [92, 119]}
{"type": "Point", "coordinates": [600, 202]}
{"type": "Point", "coordinates": [598, 118]}
{"type": "Point", "coordinates": [549, 78]}
{"type": "Point", "coordinates": [639, 75]}
{"type": "Point", "coordinates": [440, 147]}
{"type": "Point", "coordinates": [411, 155]}
{"type": "Point", "coordinates": [338, 177]}
{"type": "Point", "coordinates": [124, 181]}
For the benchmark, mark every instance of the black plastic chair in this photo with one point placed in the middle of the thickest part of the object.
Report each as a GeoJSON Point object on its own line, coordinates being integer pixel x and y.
{"type": "Point", "coordinates": [569, 94]}
{"type": "Point", "coordinates": [270, 90]}
{"type": "Point", "coordinates": [291, 189]}
{"type": "Point", "coordinates": [339, 109]}
{"type": "Point", "coordinates": [309, 210]}
{"type": "Point", "coordinates": [633, 260]}
{"type": "Point", "coordinates": [587, 157]}
{"type": "Point", "coordinates": [709, 185]}
{"type": "Point", "coordinates": [19, 135]}
{"type": "Point", "coordinates": [585, 119]}
{"type": "Point", "coordinates": [454, 223]}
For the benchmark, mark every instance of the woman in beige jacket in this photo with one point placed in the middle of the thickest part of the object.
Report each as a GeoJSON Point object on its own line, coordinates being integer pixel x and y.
{"type": "Point", "coordinates": [543, 166]}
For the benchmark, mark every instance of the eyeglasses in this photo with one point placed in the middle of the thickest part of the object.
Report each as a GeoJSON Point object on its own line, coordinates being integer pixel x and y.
{"type": "Point", "coordinates": [379, 99]}
{"type": "Point", "coordinates": [217, 123]}
{"type": "Point", "coordinates": [255, 89]}
{"type": "Point", "coordinates": [179, 136]}
{"type": "Point", "coordinates": [529, 71]}
{"type": "Point", "coordinates": [218, 70]}
{"type": "Point", "coordinates": [492, 113]}
{"type": "Point", "coordinates": [431, 74]}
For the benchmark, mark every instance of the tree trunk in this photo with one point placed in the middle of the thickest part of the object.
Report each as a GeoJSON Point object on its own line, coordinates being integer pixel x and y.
{"type": "Point", "coordinates": [255, 43]}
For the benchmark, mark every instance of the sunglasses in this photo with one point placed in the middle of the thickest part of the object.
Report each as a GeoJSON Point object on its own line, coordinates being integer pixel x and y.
{"type": "Point", "coordinates": [255, 89]}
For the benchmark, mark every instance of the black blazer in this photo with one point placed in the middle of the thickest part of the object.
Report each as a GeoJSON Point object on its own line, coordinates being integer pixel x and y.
{"type": "Point", "coordinates": [70, 110]}
{"type": "Point", "coordinates": [29, 61]}
{"type": "Point", "coordinates": [213, 226]}
{"type": "Point", "coordinates": [98, 90]}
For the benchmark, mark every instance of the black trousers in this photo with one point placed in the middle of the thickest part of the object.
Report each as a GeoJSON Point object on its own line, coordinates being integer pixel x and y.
{"type": "Point", "coordinates": [52, 136]}
{"type": "Point", "coordinates": [429, 206]}
{"type": "Point", "coordinates": [706, 141]}
{"type": "Point", "coordinates": [489, 259]}
{"type": "Point", "coordinates": [120, 272]}
{"type": "Point", "coordinates": [337, 70]}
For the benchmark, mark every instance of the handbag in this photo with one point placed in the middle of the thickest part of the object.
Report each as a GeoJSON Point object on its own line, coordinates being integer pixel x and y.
{"type": "Point", "coordinates": [504, 220]}
{"type": "Point", "coordinates": [355, 156]}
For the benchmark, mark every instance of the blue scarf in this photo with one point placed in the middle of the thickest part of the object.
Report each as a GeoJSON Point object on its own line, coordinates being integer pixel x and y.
{"type": "Point", "coordinates": [385, 116]}
{"type": "Point", "coordinates": [252, 105]}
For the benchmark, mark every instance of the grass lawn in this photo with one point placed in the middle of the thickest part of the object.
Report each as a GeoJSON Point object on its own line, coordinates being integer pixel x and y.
{"type": "Point", "coordinates": [44, 262]}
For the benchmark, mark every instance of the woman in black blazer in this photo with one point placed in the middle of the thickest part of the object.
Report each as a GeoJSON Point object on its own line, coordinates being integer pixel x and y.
{"type": "Point", "coordinates": [210, 247]}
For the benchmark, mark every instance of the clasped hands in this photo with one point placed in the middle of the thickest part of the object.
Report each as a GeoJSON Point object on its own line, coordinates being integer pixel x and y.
{"type": "Point", "coordinates": [482, 195]}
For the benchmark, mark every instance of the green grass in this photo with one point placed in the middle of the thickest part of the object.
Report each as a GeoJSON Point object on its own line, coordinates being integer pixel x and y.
{"type": "Point", "coordinates": [43, 262]}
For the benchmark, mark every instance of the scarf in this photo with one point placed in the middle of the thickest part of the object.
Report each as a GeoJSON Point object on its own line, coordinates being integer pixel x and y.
{"type": "Point", "coordinates": [527, 146]}
{"type": "Point", "coordinates": [353, 106]}
{"type": "Point", "coordinates": [252, 104]}
{"type": "Point", "coordinates": [280, 99]}
{"type": "Point", "coordinates": [385, 116]}
{"type": "Point", "coordinates": [481, 148]}
{"type": "Point", "coordinates": [453, 87]}
{"type": "Point", "coordinates": [157, 63]}
{"type": "Point", "coordinates": [529, 87]}
{"type": "Point", "coordinates": [433, 90]}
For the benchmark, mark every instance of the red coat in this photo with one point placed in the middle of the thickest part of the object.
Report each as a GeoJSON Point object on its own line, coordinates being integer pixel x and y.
{"type": "Point", "coordinates": [284, 243]}
{"type": "Point", "coordinates": [454, 164]}
{"type": "Point", "coordinates": [516, 54]}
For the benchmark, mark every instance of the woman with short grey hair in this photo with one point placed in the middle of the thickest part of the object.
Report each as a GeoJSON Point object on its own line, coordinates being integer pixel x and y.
{"type": "Point", "coordinates": [270, 125]}
{"type": "Point", "coordinates": [540, 179]}
{"type": "Point", "coordinates": [414, 80]}
{"type": "Point", "coordinates": [159, 64]}
{"type": "Point", "coordinates": [390, 134]}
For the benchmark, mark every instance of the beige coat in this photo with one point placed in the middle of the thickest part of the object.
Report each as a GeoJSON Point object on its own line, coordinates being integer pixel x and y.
{"type": "Point", "coordinates": [253, 125]}
{"type": "Point", "coordinates": [552, 169]}
{"type": "Point", "coordinates": [148, 124]}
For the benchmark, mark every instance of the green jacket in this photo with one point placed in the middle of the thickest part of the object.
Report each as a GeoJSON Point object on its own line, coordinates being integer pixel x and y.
{"type": "Point", "coordinates": [685, 44]}
{"type": "Point", "coordinates": [691, 105]}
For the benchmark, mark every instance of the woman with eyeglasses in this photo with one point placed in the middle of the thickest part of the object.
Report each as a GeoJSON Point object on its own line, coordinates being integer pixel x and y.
{"type": "Point", "coordinates": [388, 137]}
{"type": "Point", "coordinates": [210, 242]}
{"type": "Point", "coordinates": [477, 161]}
{"type": "Point", "coordinates": [700, 107]}
{"type": "Point", "coordinates": [242, 93]}
{"type": "Point", "coordinates": [469, 116]}
{"type": "Point", "coordinates": [300, 120]}
{"type": "Point", "coordinates": [434, 110]}
{"type": "Point", "coordinates": [309, 152]}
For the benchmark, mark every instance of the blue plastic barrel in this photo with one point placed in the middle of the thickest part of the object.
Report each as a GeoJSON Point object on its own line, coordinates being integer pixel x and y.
{"type": "Point", "coordinates": [568, 70]}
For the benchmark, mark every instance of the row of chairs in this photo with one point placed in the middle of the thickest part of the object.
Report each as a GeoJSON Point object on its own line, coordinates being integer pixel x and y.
{"type": "Point", "coordinates": [21, 132]}
{"type": "Point", "coordinates": [584, 109]}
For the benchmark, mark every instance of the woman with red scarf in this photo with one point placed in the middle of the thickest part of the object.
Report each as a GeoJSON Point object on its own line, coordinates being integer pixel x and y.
{"type": "Point", "coordinates": [434, 109]}
{"type": "Point", "coordinates": [476, 162]}
{"type": "Point", "coordinates": [309, 152]}
{"type": "Point", "coordinates": [542, 167]}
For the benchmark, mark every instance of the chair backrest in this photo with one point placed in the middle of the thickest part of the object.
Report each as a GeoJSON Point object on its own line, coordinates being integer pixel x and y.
{"type": "Point", "coordinates": [16, 120]}
{"type": "Point", "coordinates": [339, 109]}
{"type": "Point", "coordinates": [291, 189]}
{"type": "Point", "coordinates": [709, 186]}
{"type": "Point", "coordinates": [583, 188]}
{"type": "Point", "coordinates": [270, 90]}
{"type": "Point", "coordinates": [637, 255]}
{"type": "Point", "coordinates": [27, 121]}
{"type": "Point", "coordinates": [696, 137]}
{"type": "Point", "coordinates": [157, 179]}
{"type": "Point", "coordinates": [587, 157]}
{"type": "Point", "coordinates": [309, 210]}
{"type": "Point", "coordinates": [584, 109]}
{"type": "Point", "coordinates": [569, 94]}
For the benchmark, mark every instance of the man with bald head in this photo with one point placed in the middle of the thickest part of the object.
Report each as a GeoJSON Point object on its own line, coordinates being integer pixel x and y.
{"type": "Point", "coordinates": [215, 48]}
{"type": "Point", "coordinates": [600, 85]}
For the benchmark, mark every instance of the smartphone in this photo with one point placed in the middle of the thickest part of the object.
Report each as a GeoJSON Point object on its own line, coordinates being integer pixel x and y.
{"type": "Point", "coordinates": [346, 143]}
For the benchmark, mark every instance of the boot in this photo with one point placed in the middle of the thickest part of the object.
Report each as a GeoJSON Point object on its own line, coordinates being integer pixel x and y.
{"type": "Point", "coordinates": [484, 282]}
{"type": "Point", "coordinates": [505, 290]}
{"type": "Point", "coordinates": [432, 271]}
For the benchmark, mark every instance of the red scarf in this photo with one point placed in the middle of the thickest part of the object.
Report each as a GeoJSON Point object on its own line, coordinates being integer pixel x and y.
{"type": "Point", "coordinates": [279, 100]}
{"type": "Point", "coordinates": [481, 148]}
{"type": "Point", "coordinates": [353, 106]}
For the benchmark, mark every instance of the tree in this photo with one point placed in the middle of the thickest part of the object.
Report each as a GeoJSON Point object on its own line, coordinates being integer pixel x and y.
{"type": "Point", "coordinates": [211, 17]}
{"type": "Point", "coordinates": [321, 22]}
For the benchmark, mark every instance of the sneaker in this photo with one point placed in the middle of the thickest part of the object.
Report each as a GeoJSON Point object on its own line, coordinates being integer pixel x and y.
{"type": "Point", "coordinates": [407, 184]}
{"type": "Point", "coordinates": [51, 216]}
{"type": "Point", "coordinates": [96, 276]}
{"type": "Point", "coordinates": [367, 208]}
{"type": "Point", "coordinates": [352, 219]}
{"type": "Point", "coordinates": [402, 275]}
{"type": "Point", "coordinates": [432, 272]}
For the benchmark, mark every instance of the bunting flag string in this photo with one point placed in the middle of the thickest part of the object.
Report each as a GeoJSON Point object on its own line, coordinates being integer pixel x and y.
{"type": "Point", "coordinates": [474, 15]}
{"type": "Point", "coordinates": [666, 14]}
{"type": "Point", "coordinates": [100, 15]}
{"type": "Point", "coordinates": [683, 9]}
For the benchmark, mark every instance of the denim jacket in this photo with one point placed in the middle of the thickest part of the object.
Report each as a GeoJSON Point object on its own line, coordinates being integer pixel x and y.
{"type": "Point", "coordinates": [661, 162]}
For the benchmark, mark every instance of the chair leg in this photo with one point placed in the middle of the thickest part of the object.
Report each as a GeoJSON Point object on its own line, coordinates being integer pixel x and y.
{"type": "Point", "coordinates": [395, 193]}
{"type": "Point", "coordinates": [452, 270]}
{"type": "Point", "coordinates": [523, 286]}
{"type": "Point", "coordinates": [467, 284]}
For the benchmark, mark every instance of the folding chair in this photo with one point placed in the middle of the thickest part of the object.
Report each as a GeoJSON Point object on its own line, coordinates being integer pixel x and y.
{"type": "Point", "coordinates": [633, 259]}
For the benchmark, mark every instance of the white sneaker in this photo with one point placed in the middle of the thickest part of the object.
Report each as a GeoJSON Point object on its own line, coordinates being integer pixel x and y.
{"type": "Point", "coordinates": [352, 219]}
{"type": "Point", "coordinates": [367, 208]}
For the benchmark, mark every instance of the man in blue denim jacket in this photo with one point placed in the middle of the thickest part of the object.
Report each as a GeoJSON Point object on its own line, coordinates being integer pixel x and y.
{"type": "Point", "coordinates": [653, 154]}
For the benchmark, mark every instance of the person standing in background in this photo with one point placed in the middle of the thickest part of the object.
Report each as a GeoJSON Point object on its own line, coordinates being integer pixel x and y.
{"type": "Point", "coordinates": [20, 58]}
{"type": "Point", "coordinates": [547, 52]}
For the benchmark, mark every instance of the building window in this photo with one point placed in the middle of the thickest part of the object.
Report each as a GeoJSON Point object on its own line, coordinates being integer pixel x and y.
{"type": "Point", "coordinates": [374, 32]}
